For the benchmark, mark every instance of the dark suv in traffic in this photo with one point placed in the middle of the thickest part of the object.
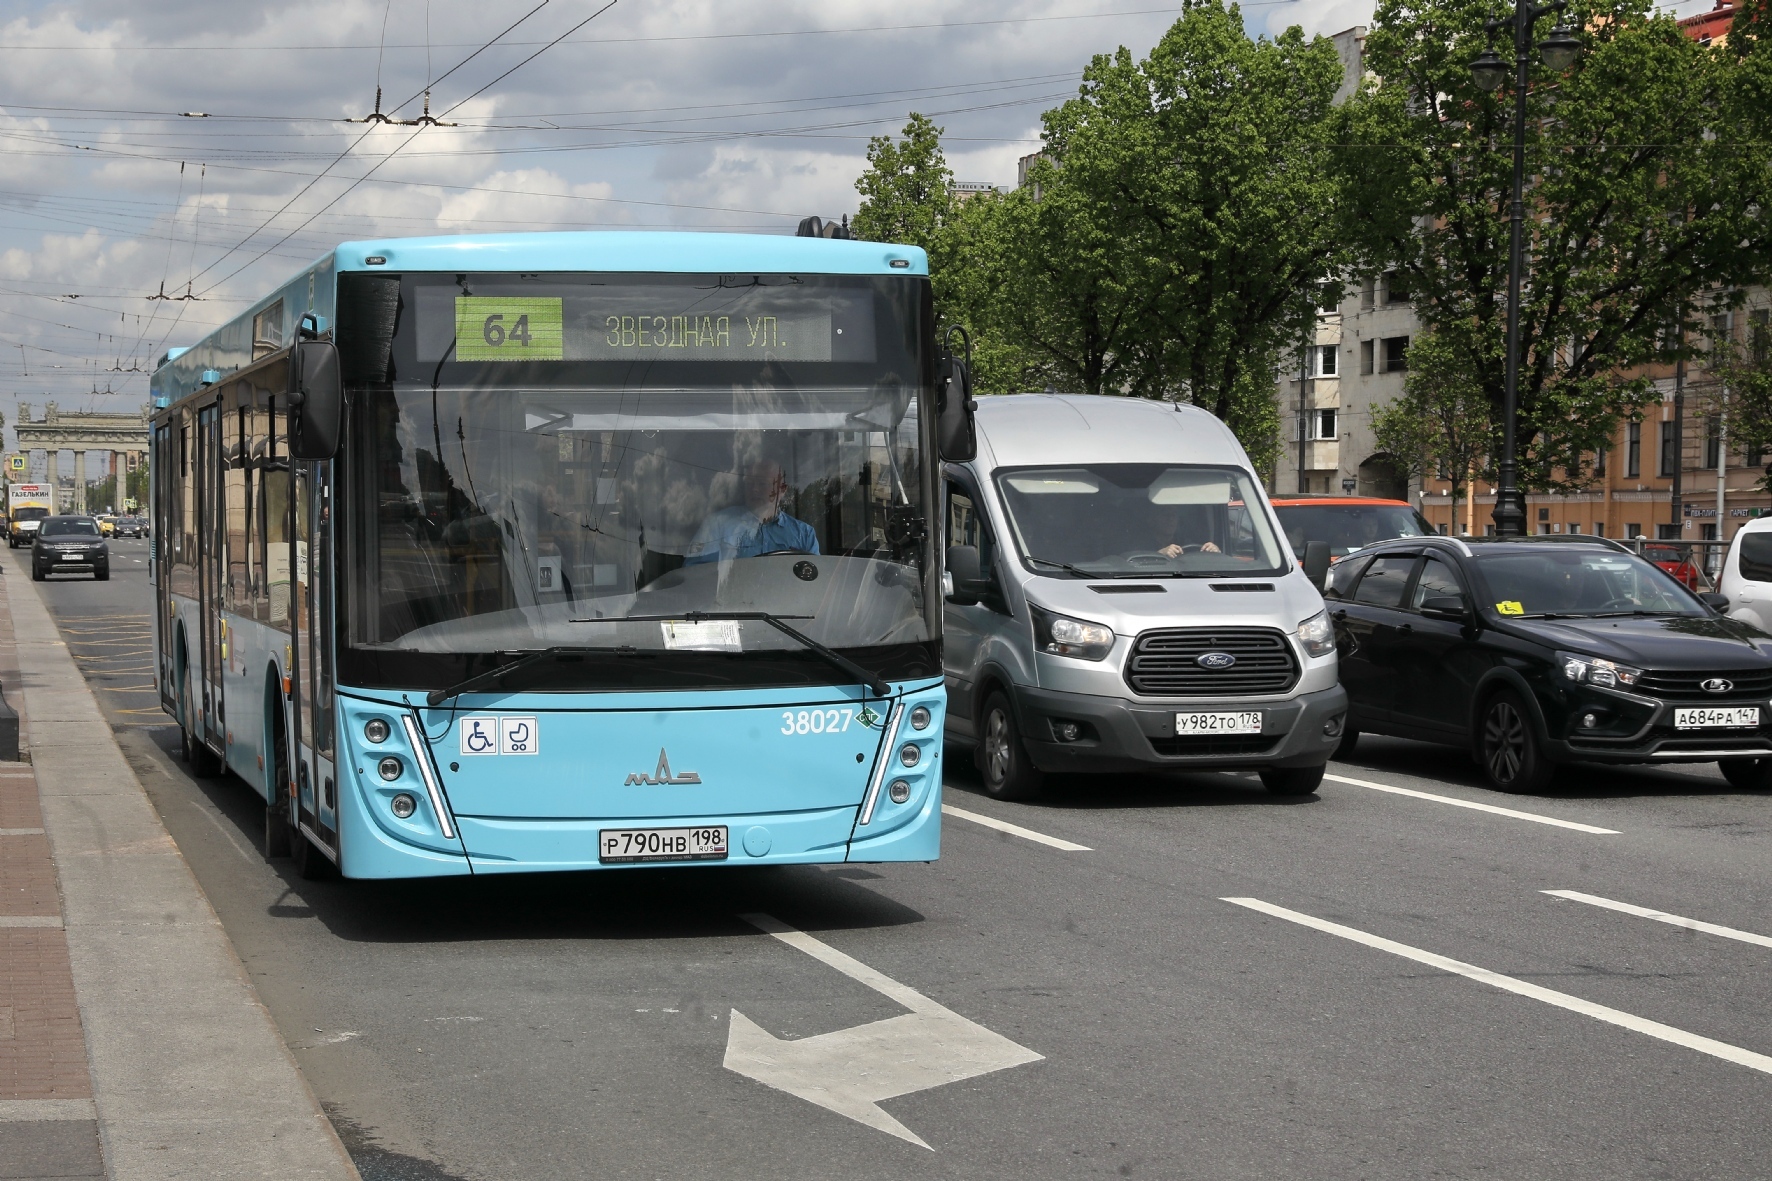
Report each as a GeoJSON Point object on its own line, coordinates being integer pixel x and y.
{"type": "Point", "coordinates": [1531, 652]}
{"type": "Point", "coordinates": [70, 545]}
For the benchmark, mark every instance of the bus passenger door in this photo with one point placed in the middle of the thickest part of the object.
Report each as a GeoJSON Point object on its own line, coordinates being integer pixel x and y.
{"type": "Point", "coordinates": [211, 540]}
{"type": "Point", "coordinates": [161, 473]}
{"type": "Point", "coordinates": [315, 774]}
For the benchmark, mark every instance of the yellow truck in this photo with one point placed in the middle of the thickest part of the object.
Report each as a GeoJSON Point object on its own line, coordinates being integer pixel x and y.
{"type": "Point", "coordinates": [26, 506]}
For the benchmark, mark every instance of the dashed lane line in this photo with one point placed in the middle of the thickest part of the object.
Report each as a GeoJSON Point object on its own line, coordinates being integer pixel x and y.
{"type": "Point", "coordinates": [1661, 916]}
{"type": "Point", "coordinates": [1537, 992]}
{"type": "Point", "coordinates": [1015, 830]}
{"type": "Point", "coordinates": [1511, 813]}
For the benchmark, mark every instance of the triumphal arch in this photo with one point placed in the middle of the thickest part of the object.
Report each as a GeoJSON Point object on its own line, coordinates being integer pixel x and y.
{"type": "Point", "coordinates": [125, 436]}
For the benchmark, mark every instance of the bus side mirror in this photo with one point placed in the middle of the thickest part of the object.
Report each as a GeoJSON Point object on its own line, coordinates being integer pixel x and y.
{"type": "Point", "coordinates": [316, 400]}
{"type": "Point", "coordinates": [1316, 563]}
{"type": "Point", "coordinates": [956, 431]}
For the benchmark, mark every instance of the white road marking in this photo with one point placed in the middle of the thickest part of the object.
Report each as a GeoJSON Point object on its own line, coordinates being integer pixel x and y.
{"type": "Point", "coordinates": [1512, 813]}
{"type": "Point", "coordinates": [1661, 916]}
{"type": "Point", "coordinates": [850, 1071]}
{"type": "Point", "coordinates": [21, 832]}
{"type": "Point", "coordinates": [1014, 830]}
{"type": "Point", "coordinates": [30, 920]}
{"type": "Point", "coordinates": [1549, 996]}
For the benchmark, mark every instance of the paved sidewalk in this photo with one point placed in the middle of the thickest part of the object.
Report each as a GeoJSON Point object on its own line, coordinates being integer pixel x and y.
{"type": "Point", "coordinates": [168, 1060]}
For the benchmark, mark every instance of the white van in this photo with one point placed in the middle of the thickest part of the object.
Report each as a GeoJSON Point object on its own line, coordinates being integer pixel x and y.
{"type": "Point", "coordinates": [1122, 599]}
{"type": "Point", "coordinates": [1747, 574]}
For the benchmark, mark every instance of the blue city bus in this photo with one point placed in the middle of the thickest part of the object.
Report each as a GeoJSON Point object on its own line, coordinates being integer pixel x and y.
{"type": "Point", "coordinates": [556, 551]}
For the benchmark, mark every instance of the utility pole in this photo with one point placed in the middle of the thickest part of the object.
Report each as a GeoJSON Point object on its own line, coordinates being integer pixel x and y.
{"type": "Point", "coordinates": [1679, 431]}
{"type": "Point", "coordinates": [1304, 364]}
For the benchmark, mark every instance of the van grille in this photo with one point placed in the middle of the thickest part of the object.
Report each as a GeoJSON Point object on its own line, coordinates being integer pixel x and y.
{"type": "Point", "coordinates": [1164, 664]}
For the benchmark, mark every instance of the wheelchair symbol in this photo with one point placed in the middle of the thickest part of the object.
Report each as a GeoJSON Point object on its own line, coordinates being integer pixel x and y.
{"type": "Point", "coordinates": [479, 736]}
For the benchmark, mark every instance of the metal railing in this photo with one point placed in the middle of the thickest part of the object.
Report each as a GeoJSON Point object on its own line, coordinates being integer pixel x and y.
{"type": "Point", "coordinates": [1699, 564]}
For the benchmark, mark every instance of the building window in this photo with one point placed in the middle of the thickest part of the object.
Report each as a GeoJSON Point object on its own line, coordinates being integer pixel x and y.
{"type": "Point", "coordinates": [1396, 354]}
{"type": "Point", "coordinates": [1752, 456]}
{"type": "Point", "coordinates": [1713, 440]}
{"type": "Point", "coordinates": [1323, 424]}
{"type": "Point", "coordinates": [1396, 287]}
{"type": "Point", "coordinates": [1667, 450]}
{"type": "Point", "coordinates": [1762, 335]}
{"type": "Point", "coordinates": [1632, 530]}
{"type": "Point", "coordinates": [1707, 533]}
{"type": "Point", "coordinates": [1544, 527]}
{"type": "Point", "coordinates": [1367, 286]}
{"type": "Point", "coordinates": [1575, 526]}
{"type": "Point", "coordinates": [1667, 533]}
{"type": "Point", "coordinates": [1599, 528]}
{"type": "Point", "coordinates": [1600, 462]}
{"type": "Point", "coordinates": [1365, 358]}
{"type": "Point", "coordinates": [1633, 452]}
{"type": "Point", "coordinates": [1323, 360]}
{"type": "Point", "coordinates": [1488, 530]}
{"type": "Point", "coordinates": [1544, 515]}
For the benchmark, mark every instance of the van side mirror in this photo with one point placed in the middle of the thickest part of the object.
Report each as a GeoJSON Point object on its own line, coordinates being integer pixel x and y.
{"type": "Point", "coordinates": [316, 400]}
{"type": "Point", "coordinates": [956, 429]}
{"type": "Point", "coordinates": [1316, 563]}
{"type": "Point", "coordinates": [963, 568]}
{"type": "Point", "coordinates": [1716, 602]}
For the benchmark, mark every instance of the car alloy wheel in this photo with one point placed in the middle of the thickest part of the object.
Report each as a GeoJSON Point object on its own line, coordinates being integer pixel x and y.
{"type": "Point", "coordinates": [1510, 752]}
{"type": "Point", "coordinates": [1003, 759]}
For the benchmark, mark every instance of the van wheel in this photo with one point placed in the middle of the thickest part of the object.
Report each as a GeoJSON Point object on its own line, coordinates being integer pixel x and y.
{"type": "Point", "coordinates": [1002, 757]}
{"type": "Point", "coordinates": [1747, 774]}
{"type": "Point", "coordinates": [1510, 753]}
{"type": "Point", "coordinates": [1292, 781]}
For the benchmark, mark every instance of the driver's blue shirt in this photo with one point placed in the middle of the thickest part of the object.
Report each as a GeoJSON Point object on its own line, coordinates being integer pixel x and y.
{"type": "Point", "coordinates": [737, 532]}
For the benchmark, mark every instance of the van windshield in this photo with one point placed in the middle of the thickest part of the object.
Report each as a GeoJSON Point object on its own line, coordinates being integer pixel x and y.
{"type": "Point", "coordinates": [1140, 520]}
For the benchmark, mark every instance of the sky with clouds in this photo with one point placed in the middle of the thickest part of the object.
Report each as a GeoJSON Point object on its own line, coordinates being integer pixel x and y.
{"type": "Point", "coordinates": [202, 147]}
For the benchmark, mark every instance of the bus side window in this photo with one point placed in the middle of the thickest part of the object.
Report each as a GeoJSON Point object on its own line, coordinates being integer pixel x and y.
{"type": "Point", "coordinates": [274, 495]}
{"type": "Point", "coordinates": [234, 493]}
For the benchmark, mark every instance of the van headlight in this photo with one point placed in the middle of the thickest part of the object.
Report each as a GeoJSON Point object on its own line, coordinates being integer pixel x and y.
{"type": "Point", "coordinates": [1317, 634]}
{"type": "Point", "coordinates": [1060, 635]}
{"type": "Point", "coordinates": [1591, 670]}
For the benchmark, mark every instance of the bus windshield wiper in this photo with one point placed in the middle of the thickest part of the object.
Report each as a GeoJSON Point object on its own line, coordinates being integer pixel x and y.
{"type": "Point", "coordinates": [835, 659]}
{"type": "Point", "coordinates": [438, 696]}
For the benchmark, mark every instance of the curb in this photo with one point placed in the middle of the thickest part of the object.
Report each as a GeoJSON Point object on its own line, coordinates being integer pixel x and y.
{"type": "Point", "coordinates": [189, 1075]}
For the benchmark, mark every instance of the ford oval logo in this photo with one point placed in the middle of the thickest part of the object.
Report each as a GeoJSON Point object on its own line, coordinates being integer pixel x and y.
{"type": "Point", "coordinates": [1716, 685]}
{"type": "Point", "coordinates": [1215, 660]}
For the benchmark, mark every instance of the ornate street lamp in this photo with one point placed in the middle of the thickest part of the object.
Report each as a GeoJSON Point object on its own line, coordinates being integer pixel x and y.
{"type": "Point", "coordinates": [1489, 71]}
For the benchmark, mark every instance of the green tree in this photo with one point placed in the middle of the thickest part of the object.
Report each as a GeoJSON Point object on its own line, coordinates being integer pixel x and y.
{"type": "Point", "coordinates": [907, 192]}
{"type": "Point", "coordinates": [1442, 425]}
{"type": "Point", "coordinates": [1648, 164]}
{"type": "Point", "coordinates": [1175, 233]}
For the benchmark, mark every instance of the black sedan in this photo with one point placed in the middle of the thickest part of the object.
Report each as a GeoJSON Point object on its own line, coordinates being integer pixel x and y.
{"type": "Point", "coordinates": [70, 545]}
{"type": "Point", "coordinates": [131, 527]}
{"type": "Point", "coordinates": [1531, 652]}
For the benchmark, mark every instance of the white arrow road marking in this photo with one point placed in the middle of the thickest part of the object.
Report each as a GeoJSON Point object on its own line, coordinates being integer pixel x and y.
{"type": "Point", "coordinates": [850, 1071]}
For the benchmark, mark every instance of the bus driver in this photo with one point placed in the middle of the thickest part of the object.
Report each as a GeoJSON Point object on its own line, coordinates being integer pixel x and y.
{"type": "Point", "coordinates": [758, 526]}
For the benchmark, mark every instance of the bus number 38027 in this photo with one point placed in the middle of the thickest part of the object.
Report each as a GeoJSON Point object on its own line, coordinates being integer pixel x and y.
{"type": "Point", "coordinates": [816, 721]}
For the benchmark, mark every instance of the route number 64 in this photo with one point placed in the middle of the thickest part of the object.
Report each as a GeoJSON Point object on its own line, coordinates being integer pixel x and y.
{"type": "Point", "coordinates": [816, 721]}
{"type": "Point", "coordinates": [493, 330]}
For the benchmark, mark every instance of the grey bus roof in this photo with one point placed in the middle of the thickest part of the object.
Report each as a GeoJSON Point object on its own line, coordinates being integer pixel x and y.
{"type": "Point", "coordinates": [1046, 429]}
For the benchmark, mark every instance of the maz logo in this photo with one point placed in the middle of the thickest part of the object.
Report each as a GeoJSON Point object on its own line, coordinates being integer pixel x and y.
{"type": "Point", "coordinates": [662, 774]}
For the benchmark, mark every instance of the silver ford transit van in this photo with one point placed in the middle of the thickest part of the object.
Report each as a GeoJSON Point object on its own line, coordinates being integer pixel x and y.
{"type": "Point", "coordinates": [1120, 598]}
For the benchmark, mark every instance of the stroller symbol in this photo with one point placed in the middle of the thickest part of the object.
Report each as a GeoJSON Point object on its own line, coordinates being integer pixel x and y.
{"type": "Point", "coordinates": [479, 736]}
{"type": "Point", "coordinates": [517, 736]}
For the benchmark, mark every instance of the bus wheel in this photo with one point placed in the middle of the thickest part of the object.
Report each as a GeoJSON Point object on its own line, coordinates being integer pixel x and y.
{"type": "Point", "coordinates": [279, 833]}
{"type": "Point", "coordinates": [203, 762]}
{"type": "Point", "coordinates": [310, 863]}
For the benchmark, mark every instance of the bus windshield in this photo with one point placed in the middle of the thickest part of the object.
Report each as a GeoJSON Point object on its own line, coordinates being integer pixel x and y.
{"type": "Point", "coordinates": [596, 461]}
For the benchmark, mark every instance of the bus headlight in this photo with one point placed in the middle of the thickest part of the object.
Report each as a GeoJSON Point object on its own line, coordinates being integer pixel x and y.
{"type": "Point", "coordinates": [910, 754]}
{"type": "Point", "coordinates": [376, 731]}
{"type": "Point", "coordinates": [403, 805]}
{"type": "Point", "coordinates": [899, 792]}
{"type": "Point", "coordinates": [1062, 636]}
{"type": "Point", "coordinates": [389, 768]}
{"type": "Point", "coordinates": [920, 718]}
{"type": "Point", "coordinates": [1317, 634]}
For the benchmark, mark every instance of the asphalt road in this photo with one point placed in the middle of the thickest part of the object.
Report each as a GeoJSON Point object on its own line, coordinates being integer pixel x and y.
{"type": "Point", "coordinates": [571, 1026]}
